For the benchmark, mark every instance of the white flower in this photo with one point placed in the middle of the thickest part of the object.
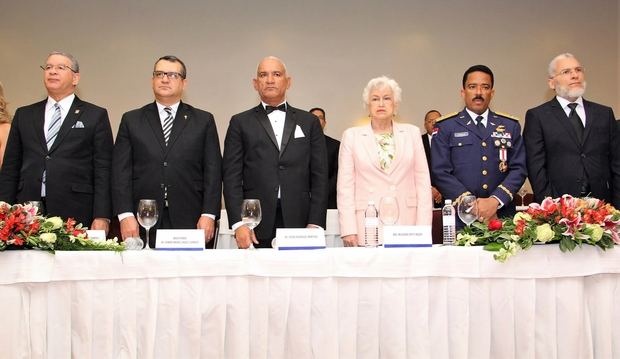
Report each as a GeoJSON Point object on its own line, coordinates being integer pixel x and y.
{"type": "Point", "coordinates": [521, 216]}
{"type": "Point", "coordinates": [48, 237]}
{"type": "Point", "coordinates": [56, 222]}
{"type": "Point", "coordinates": [466, 239]}
{"type": "Point", "coordinates": [544, 233]}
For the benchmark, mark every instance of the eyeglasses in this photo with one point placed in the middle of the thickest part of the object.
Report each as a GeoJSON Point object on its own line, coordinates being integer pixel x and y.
{"type": "Point", "coordinates": [567, 72]}
{"type": "Point", "coordinates": [60, 68]}
{"type": "Point", "coordinates": [171, 75]}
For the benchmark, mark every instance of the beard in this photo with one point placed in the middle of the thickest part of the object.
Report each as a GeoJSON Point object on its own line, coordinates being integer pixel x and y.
{"type": "Point", "coordinates": [565, 92]}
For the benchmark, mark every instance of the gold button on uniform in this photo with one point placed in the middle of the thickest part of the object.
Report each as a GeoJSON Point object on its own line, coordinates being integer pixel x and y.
{"type": "Point", "coordinates": [485, 186]}
{"type": "Point", "coordinates": [484, 144]}
{"type": "Point", "coordinates": [484, 158]}
{"type": "Point", "coordinates": [484, 172]}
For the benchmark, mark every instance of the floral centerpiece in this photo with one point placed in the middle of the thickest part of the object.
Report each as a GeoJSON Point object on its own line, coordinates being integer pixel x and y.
{"type": "Point", "coordinates": [568, 221]}
{"type": "Point", "coordinates": [22, 228]}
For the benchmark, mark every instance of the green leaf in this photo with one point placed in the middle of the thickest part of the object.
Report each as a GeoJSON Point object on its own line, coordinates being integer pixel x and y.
{"type": "Point", "coordinates": [494, 246]}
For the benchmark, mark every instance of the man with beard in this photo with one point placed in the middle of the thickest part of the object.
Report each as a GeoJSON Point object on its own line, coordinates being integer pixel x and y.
{"type": "Point", "coordinates": [572, 144]}
{"type": "Point", "coordinates": [478, 151]}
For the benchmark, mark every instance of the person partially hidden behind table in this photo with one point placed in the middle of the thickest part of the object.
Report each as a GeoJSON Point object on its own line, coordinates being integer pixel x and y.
{"type": "Point", "coordinates": [384, 158]}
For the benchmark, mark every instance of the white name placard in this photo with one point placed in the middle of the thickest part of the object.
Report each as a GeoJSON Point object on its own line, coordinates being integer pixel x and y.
{"type": "Point", "coordinates": [299, 238]}
{"type": "Point", "coordinates": [96, 235]}
{"type": "Point", "coordinates": [180, 239]}
{"type": "Point", "coordinates": [407, 236]}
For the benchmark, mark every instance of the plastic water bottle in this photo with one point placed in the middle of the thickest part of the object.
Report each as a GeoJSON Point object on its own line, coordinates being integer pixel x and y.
{"type": "Point", "coordinates": [371, 226]}
{"type": "Point", "coordinates": [449, 223]}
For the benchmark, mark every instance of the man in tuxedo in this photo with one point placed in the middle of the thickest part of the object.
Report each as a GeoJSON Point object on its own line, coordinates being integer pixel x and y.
{"type": "Point", "coordinates": [169, 151]}
{"type": "Point", "coordinates": [275, 153]}
{"type": "Point", "coordinates": [429, 123]}
{"type": "Point", "coordinates": [59, 151]}
{"type": "Point", "coordinates": [478, 151]}
{"type": "Point", "coordinates": [333, 147]}
{"type": "Point", "coordinates": [572, 144]}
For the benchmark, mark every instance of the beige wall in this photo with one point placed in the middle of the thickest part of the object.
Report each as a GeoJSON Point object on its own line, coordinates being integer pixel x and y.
{"type": "Point", "coordinates": [332, 48]}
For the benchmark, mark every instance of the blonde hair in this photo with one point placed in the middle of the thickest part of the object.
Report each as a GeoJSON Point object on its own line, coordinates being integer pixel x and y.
{"type": "Point", "coordinates": [5, 116]}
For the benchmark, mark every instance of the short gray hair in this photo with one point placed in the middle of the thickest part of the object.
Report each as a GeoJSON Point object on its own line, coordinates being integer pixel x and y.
{"type": "Point", "coordinates": [553, 62]}
{"type": "Point", "coordinates": [74, 63]}
{"type": "Point", "coordinates": [380, 83]}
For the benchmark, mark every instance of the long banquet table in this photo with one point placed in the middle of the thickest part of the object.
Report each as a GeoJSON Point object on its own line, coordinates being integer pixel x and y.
{"type": "Point", "coordinates": [440, 302]}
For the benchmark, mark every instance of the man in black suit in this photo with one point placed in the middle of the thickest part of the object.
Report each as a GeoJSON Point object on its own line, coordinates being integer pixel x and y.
{"type": "Point", "coordinates": [168, 151]}
{"type": "Point", "coordinates": [59, 151]}
{"type": "Point", "coordinates": [572, 144]}
{"type": "Point", "coordinates": [429, 123]}
{"type": "Point", "coordinates": [275, 153]}
{"type": "Point", "coordinates": [333, 147]}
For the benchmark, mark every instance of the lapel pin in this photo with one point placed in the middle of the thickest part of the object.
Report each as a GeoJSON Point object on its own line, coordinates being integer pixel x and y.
{"type": "Point", "coordinates": [185, 116]}
{"type": "Point", "coordinates": [77, 111]}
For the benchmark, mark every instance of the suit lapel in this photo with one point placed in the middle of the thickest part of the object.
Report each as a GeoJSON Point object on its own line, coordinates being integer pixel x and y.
{"type": "Point", "coordinates": [75, 111]}
{"type": "Point", "coordinates": [262, 118]}
{"type": "Point", "coordinates": [39, 123]}
{"type": "Point", "coordinates": [560, 116]}
{"type": "Point", "coordinates": [400, 143]}
{"type": "Point", "coordinates": [181, 120]}
{"type": "Point", "coordinates": [590, 116]}
{"type": "Point", "coordinates": [152, 118]}
{"type": "Point", "coordinates": [289, 127]}
{"type": "Point", "coordinates": [369, 143]}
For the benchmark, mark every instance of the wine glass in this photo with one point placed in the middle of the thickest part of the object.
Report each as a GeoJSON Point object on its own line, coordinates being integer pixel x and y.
{"type": "Point", "coordinates": [468, 209]}
{"type": "Point", "coordinates": [522, 193]}
{"type": "Point", "coordinates": [388, 210]}
{"type": "Point", "coordinates": [251, 214]}
{"type": "Point", "coordinates": [147, 216]}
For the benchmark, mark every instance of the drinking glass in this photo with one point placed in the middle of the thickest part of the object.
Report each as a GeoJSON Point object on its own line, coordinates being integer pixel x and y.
{"type": "Point", "coordinates": [468, 209]}
{"type": "Point", "coordinates": [388, 210]}
{"type": "Point", "coordinates": [522, 193]}
{"type": "Point", "coordinates": [147, 216]}
{"type": "Point", "coordinates": [251, 214]}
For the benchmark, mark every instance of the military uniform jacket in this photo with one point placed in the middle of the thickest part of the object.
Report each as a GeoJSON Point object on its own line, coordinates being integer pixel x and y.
{"type": "Point", "coordinates": [484, 162]}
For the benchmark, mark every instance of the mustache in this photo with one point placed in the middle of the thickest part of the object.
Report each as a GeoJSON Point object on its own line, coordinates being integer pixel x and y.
{"type": "Point", "coordinates": [478, 97]}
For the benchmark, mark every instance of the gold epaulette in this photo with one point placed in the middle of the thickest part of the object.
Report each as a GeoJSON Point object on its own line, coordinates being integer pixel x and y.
{"type": "Point", "coordinates": [445, 117]}
{"type": "Point", "coordinates": [507, 116]}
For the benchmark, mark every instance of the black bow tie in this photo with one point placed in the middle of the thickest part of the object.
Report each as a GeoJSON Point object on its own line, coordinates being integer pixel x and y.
{"type": "Point", "coordinates": [270, 109]}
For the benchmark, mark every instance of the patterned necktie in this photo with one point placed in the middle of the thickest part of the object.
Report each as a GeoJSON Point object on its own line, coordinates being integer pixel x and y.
{"type": "Point", "coordinates": [168, 124]}
{"type": "Point", "coordinates": [54, 127]}
{"type": "Point", "coordinates": [575, 120]}
{"type": "Point", "coordinates": [479, 123]}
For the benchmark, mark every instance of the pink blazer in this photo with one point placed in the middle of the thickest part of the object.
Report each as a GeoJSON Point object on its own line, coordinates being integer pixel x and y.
{"type": "Point", "coordinates": [360, 178]}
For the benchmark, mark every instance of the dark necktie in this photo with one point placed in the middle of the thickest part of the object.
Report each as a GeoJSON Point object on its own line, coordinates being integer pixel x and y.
{"type": "Point", "coordinates": [168, 124]}
{"type": "Point", "coordinates": [479, 123]}
{"type": "Point", "coordinates": [575, 120]}
{"type": "Point", "coordinates": [270, 109]}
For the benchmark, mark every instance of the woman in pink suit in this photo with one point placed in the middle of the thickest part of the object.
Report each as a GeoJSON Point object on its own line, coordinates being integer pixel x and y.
{"type": "Point", "coordinates": [381, 159]}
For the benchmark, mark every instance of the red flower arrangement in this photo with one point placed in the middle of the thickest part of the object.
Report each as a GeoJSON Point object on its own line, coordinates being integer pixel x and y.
{"type": "Point", "coordinates": [568, 221]}
{"type": "Point", "coordinates": [22, 228]}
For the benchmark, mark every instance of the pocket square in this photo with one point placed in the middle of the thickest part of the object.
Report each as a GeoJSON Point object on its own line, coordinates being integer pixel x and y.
{"type": "Point", "coordinates": [298, 132]}
{"type": "Point", "coordinates": [78, 124]}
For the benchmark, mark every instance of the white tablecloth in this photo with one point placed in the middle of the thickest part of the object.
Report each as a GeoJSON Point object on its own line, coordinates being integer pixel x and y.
{"type": "Point", "coordinates": [441, 302]}
{"type": "Point", "coordinates": [226, 239]}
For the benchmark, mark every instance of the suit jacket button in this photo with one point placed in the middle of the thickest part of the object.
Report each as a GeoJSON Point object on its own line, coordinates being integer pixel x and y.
{"type": "Point", "coordinates": [281, 167]}
{"type": "Point", "coordinates": [484, 158]}
{"type": "Point", "coordinates": [165, 164]}
{"type": "Point", "coordinates": [485, 186]}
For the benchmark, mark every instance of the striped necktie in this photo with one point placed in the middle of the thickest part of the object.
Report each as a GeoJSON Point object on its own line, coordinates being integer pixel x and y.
{"type": "Point", "coordinates": [167, 127]}
{"type": "Point", "coordinates": [54, 127]}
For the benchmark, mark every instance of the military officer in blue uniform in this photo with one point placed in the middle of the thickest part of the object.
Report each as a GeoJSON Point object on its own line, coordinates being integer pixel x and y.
{"type": "Point", "coordinates": [479, 152]}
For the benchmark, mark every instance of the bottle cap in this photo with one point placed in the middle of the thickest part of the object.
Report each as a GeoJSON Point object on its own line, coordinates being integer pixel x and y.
{"type": "Point", "coordinates": [448, 201]}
